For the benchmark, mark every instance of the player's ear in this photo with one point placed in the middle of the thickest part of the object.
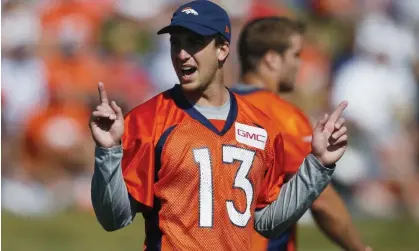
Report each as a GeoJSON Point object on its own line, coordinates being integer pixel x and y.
{"type": "Point", "coordinates": [223, 49]}
{"type": "Point", "coordinates": [273, 60]}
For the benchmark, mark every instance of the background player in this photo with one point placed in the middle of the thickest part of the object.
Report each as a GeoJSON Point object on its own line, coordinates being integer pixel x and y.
{"type": "Point", "coordinates": [269, 65]}
{"type": "Point", "coordinates": [187, 151]}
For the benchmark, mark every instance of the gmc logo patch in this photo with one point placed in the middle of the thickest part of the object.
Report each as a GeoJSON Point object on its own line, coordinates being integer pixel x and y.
{"type": "Point", "coordinates": [251, 136]}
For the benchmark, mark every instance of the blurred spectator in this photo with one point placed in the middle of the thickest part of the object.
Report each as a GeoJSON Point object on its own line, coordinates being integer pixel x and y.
{"type": "Point", "coordinates": [23, 73]}
{"type": "Point", "coordinates": [70, 32]}
{"type": "Point", "coordinates": [380, 87]}
{"type": "Point", "coordinates": [72, 22]}
{"type": "Point", "coordinates": [54, 160]}
{"type": "Point", "coordinates": [75, 73]}
{"type": "Point", "coordinates": [124, 48]}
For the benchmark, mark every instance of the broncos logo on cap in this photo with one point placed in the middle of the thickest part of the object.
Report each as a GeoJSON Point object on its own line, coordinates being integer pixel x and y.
{"type": "Point", "coordinates": [189, 10]}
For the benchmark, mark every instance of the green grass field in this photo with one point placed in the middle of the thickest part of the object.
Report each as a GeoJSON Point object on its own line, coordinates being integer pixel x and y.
{"type": "Point", "coordinates": [78, 231]}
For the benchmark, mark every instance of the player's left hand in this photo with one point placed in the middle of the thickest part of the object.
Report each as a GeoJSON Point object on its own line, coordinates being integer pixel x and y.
{"type": "Point", "coordinates": [329, 137]}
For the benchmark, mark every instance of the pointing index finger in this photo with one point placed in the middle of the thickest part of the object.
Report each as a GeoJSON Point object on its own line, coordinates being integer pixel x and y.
{"type": "Point", "coordinates": [102, 93]}
{"type": "Point", "coordinates": [337, 112]}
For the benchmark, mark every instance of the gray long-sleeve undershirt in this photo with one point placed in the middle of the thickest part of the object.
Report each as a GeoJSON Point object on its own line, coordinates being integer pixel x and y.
{"type": "Point", "coordinates": [115, 209]}
{"type": "Point", "coordinates": [295, 197]}
{"type": "Point", "coordinates": [113, 206]}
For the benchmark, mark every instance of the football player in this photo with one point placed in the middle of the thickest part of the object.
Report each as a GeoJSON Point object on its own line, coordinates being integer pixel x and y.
{"type": "Point", "coordinates": [202, 165]}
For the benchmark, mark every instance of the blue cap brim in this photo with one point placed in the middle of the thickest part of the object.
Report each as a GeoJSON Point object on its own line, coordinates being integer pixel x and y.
{"type": "Point", "coordinates": [197, 28]}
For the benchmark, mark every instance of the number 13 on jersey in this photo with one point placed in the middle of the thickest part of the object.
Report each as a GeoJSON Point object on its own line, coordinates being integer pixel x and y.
{"type": "Point", "coordinates": [230, 154]}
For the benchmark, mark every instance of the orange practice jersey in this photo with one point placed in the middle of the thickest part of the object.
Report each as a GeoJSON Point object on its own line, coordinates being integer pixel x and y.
{"type": "Point", "coordinates": [200, 185]}
{"type": "Point", "coordinates": [296, 130]}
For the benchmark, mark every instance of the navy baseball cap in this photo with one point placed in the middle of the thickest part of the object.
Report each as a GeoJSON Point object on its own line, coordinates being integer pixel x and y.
{"type": "Point", "coordinates": [202, 17]}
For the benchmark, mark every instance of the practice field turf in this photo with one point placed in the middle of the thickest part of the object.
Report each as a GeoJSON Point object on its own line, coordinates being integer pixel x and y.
{"type": "Point", "coordinates": [78, 231]}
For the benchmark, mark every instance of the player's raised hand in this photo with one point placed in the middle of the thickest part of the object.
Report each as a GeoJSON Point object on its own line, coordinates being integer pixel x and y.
{"type": "Point", "coordinates": [107, 121]}
{"type": "Point", "coordinates": [329, 137]}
